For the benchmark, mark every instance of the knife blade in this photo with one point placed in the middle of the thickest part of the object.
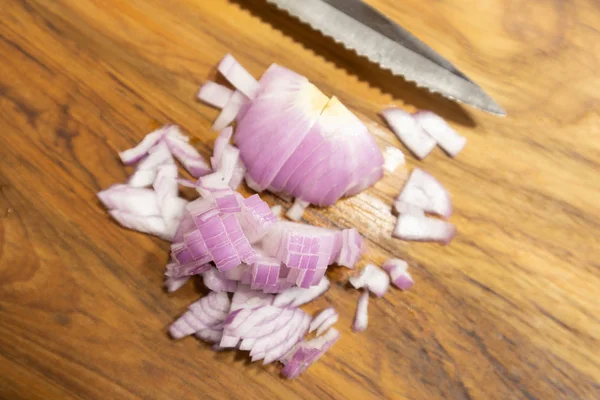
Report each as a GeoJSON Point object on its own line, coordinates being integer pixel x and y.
{"type": "Point", "coordinates": [361, 28]}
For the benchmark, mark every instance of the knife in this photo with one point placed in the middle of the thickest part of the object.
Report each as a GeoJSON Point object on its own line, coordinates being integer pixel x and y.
{"type": "Point", "coordinates": [362, 28]}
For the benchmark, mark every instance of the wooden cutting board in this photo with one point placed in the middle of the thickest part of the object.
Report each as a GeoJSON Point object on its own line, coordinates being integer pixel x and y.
{"type": "Point", "coordinates": [509, 310]}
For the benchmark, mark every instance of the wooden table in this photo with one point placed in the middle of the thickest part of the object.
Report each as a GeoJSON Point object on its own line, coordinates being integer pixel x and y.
{"type": "Point", "coordinates": [508, 311]}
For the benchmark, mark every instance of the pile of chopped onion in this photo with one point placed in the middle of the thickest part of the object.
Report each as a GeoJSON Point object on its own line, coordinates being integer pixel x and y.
{"type": "Point", "coordinates": [293, 141]}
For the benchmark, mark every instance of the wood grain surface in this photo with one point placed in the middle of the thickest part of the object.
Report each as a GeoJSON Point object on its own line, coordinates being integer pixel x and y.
{"type": "Point", "coordinates": [508, 311]}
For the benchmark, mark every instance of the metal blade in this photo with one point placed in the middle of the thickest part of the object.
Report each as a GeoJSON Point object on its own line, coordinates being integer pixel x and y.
{"type": "Point", "coordinates": [361, 28]}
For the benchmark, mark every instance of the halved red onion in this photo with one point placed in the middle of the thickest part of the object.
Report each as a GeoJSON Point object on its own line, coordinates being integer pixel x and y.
{"type": "Point", "coordinates": [296, 296]}
{"type": "Point", "coordinates": [409, 132]}
{"type": "Point", "coordinates": [397, 269]}
{"type": "Point", "coordinates": [338, 157]}
{"type": "Point", "coordinates": [324, 320]}
{"type": "Point", "coordinates": [208, 312]}
{"type": "Point", "coordinates": [444, 135]}
{"type": "Point", "coordinates": [423, 229]}
{"type": "Point", "coordinates": [297, 210]}
{"type": "Point", "coordinates": [238, 76]}
{"type": "Point", "coordinates": [283, 111]}
{"type": "Point", "coordinates": [213, 281]}
{"type": "Point", "coordinates": [307, 353]}
{"type": "Point", "coordinates": [426, 192]}
{"type": "Point", "coordinates": [351, 248]}
{"type": "Point", "coordinates": [214, 94]}
{"type": "Point", "coordinates": [373, 279]}
{"type": "Point", "coordinates": [361, 318]}
{"type": "Point", "coordinates": [230, 112]}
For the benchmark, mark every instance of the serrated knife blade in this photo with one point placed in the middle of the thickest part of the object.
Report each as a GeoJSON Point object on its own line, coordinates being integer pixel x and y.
{"type": "Point", "coordinates": [361, 28]}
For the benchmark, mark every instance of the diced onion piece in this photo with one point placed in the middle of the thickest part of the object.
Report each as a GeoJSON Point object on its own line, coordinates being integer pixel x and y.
{"type": "Point", "coordinates": [297, 210]}
{"type": "Point", "coordinates": [361, 317]}
{"type": "Point", "coordinates": [145, 171]}
{"type": "Point", "coordinates": [187, 155]}
{"type": "Point", "coordinates": [307, 353]}
{"type": "Point", "coordinates": [296, 296]}
{"type": "Point", "coordinates": [213, 281]}
{"type": "Point", "coordinates": [174, 284]}
{"type": "Point", "coordinates": [238, 76]}
{"type": "Point", "coordinates": [214, 94]}
{"type": "Point", "coordinates": [324, 320]}
{"type": "Point", "coordinates": [133, 155]}
{"type": "Point", "coordinates": [231, 110]}
{"type": "Point", "coordinates": [426, 192]}
{"type": "Point", "coordinates": [134, 201]}
{"type": "Point", "coordinates": [244, 297]}
{"type": "Point", "coordinates": [397, 269]}
{"type": "Point", "coordinates": [372, 278]}
{"type": "Point", "coordinates": [409, 132]}
{"type": "Point", "coordinates": [277, 210]}
{"type": "Point", "coordinates": [423, 229]}
{"type": "Point", "coordinates": [351, 248]}
{"type": "Point", "coordinates": [444, 135]}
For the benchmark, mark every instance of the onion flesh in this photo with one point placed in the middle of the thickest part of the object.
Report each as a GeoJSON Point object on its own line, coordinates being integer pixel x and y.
{"type": "Point", "coordinates": [373, 279]}
{"type": "Point", "coordinates": [424, 229]}
{"type": "Point", "coordinates": [446, 137]}
{"type": "Point", "coordinates": [214, 94]}
{"type": "Point", "coordinates": [398, 270]}
{"type": "Point", "coordinates": [361, 317]}
{"type": "Point", "coordinates": [405, 126]}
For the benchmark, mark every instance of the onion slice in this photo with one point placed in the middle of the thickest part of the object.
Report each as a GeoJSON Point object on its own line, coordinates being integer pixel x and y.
{"type": "Point", "coordinates": [361, 317]}
{"type": "Point", "coordinates": [398, 270]}
{"type": "Point", "coordinates": [214, 94]}
{"type": "Point", "coordinates": [238, 76]}
{"type": "Point", "coordinates": [208, 312]}
{"type": "Point", "coordinates": [447, 138]}
{"type": "Point", "coordinates": [296, 296]}
{"type": "Point", "coordinates": [324, 320]}
{"type": "Point", "coordinates": [409, 132]}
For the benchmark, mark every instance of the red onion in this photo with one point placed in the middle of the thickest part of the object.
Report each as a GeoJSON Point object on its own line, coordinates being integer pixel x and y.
{"type": "Point", "coordinates": [397, 269]}
{"type": "Point", "coordinates": [409, 132]}
{"type": "Point", "coordinates": [444, 135]}
{"type": "Point", "coordinates": [361, 318]}
{"type": "Point", "coordinates": [373, 279]}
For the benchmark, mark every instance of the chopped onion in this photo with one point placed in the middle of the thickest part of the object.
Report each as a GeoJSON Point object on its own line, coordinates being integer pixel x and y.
{"type": "Point", "coordinates": [214, 94]}
{"type": "Point", "coordinates": [133, 155]}
{"type": "Point", "coordinates": [296, 296]}
{"type": "Point", "coordinates": [174, 284]}
{"type": "Point", "coordinates": [397, 269]}
{"type": "Point", "coordinates": [237, 75]}
{"type": "Point", "coordinates": [409, 132]}
{"type": "Point", "coordinates": [208, 312]}
{"type": "Point", "coordinates": [361, 318]}
{"type": "Point", "coordinates": [129, 200]}
{"type": "Point", "coordinates": [351, 248]}
{"type": "Point", "coordinates": [426, 192]}
{"type": "Point", "coordinates": [187, 155]}
{"type": "Point", "coordinates": [244, 297]}
{"type": "Point", "coordinates": [297, 210]}
{"type": "Point", "coordinates": [145, 172]}
{"type": "Point", "coordinates": [373, 279]}
{"type": "Point", "coordinates": [444, 135]}
{"type": "Point", "coordinates": [424, 229]}
{"type": "Point", "coordinates": [307, 353]}
{"type": "Point", "coordinates": [216, 283]}
{"type": "Point", "coordinates": [276, 210]}
{"type": "Point", "coordinates": [231, 110]}
{"type": "Point", "coordinates": [324, 320]}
